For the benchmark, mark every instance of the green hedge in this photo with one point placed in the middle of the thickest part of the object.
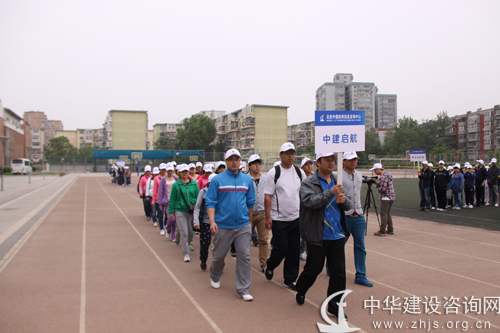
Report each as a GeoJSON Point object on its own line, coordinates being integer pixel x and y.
{"type": "Point", "coordinates": [7, 169]}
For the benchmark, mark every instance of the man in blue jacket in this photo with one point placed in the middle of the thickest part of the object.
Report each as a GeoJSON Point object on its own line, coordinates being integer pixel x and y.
{"type": "Point", "coordinates": [230, 200]}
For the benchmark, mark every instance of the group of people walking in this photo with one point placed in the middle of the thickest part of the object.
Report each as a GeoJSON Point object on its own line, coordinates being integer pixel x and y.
{"type": "Point", "coordinates": [443, 188]}
{"type": "Point", "coordinates": [306, 211]}
{"type": "Point", "coordinates": [120, 175]}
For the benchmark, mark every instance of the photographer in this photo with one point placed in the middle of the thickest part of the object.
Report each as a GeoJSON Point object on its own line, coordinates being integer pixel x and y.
{"type": "Point", "coordinates": [387, 196]}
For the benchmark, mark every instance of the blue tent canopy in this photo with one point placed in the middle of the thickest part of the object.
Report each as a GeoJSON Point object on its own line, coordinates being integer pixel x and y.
{"type": "Point", "coordinates": [102, 154]}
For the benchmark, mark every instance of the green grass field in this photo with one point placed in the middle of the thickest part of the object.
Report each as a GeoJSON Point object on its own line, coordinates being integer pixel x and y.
{"type": "Point", "coordinates": [408, 201]}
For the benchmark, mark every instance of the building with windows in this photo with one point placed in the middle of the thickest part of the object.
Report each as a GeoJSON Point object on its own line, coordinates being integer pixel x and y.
{"type": "Point", "coordinates": [42, 130]}
{"type": "Point", "coordinates": [476, 133]}
{"type": "Point", "coordinates": [213, 114]}
{"type": "Point", "coordinates": [13, 132]}
{"type": "Point", "coordinates": [124, 129]}
{"type": "Point", "coordinates": [343, 94]}
{"type": "Point", "coordinates": [165, 130]}
{"type": "Point", "coordinates": [256, 128]}
{"type": "Point", "coordinates": [386, 110]}
{"type": "Point", "coordinates": [82, 137]}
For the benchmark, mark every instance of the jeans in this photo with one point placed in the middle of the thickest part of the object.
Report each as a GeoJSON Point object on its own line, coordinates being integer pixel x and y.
{"type": "Point", "coordinates": [425, 197]}
{"type": "Point", "coordinates": [356, 226]}
{"type": "Point", "coordinates": [458, 199]}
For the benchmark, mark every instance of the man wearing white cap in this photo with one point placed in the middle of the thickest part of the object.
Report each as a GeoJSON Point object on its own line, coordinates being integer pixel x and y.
{"type": "Point", "coordinates": [481, 176]}
{"type": "Point", "coordinates": [387, 196]}
{"type": "Point", "coordinates": [493, 173]}
{"type": "Point", "coordinates": [356, 222]}
{"type": "Point", "coordinates": [323, 226]}
{"type": "Point", "coordinates": [259, 214]}
{"type": "Point", "coordinates": [424, 187]}
{"type": "Point", "coordinates": [282, 206]}
{"type": "Point", "coordinates": [230, 201]}
{"type": "Point", "coordinates": [307, 166]}
{"type": "Point", "coordinates": [441, 180]}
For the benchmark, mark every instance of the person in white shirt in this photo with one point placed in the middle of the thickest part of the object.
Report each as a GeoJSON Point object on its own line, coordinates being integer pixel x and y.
{"type": "Point", "coordinates": [282, 208]}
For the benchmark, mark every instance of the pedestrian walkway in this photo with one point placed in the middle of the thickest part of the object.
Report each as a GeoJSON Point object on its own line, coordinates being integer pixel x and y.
{"type": "Point", "coordinates": [93, 263]}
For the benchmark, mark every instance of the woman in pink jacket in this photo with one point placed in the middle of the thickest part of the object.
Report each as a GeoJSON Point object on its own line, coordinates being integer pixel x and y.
{"type": "Point", "coordinates": [164, 190]}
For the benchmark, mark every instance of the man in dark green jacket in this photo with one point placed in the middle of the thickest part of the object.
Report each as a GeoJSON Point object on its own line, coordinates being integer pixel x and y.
{"type": "Point", "coordinates": [323, 227]}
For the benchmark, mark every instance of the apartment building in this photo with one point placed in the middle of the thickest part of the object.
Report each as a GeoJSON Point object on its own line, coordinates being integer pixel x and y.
{"type": "Point", "coordinates": [386, 110]}
{"type": "Point", "coordinates": [126, 129]}
{"type": "Point", "coordinates": [52, 127]}
{"type": "Point", "coordinates": [292, 133]}
{"type": "Point", "coordinates": [82, 137]}
{"type": "Point", "coordinates": [256, 128]}
{"type": "Point", "coordinates": [165, 129]}
{"type": "Point", "coordinates": [345, 94]}
{"type": "Point", "coordinates": [477, 133]}
{"type": "Point", "coordinates": [12, 132]}
{"type": "Point", "coordinates": [213, 114]}
{"type": "Point", "coordinates": [42, 130]}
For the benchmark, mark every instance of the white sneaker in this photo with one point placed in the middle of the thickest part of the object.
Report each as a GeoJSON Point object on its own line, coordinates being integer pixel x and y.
{"type": "Point", "coordinates": [187, 258]}
{"type": "Point", "coordinates": [496, 205]}
{"type": "Point", "coordinates": [162, 232]}
{"type": "Point", "coordinates": [458, 208]}
{"type": "Point", "coordinates": [246, 297]}
{"type": "Point", "coordinates": [470, 206]}
{"type": "Point", "coordinates": [155, 224]}
{"type": "Point", "coordinates": [167, 234]}
{"type": "Point", "coordinates": [487, 204]}
{"type": "Point", "coordinates": [439, 209]}
{"type": "Point", "coordinates": [215, 285]}
{"type": "Point", "coordinates": [433, 208]}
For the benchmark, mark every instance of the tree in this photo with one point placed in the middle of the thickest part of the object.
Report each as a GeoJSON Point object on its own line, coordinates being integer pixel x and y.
{"type": "Point", "coordinates": [197, 133]}
{"type": "Point", "coordinates": [60, 146]}
{"type": "Point", "coordinates": [406, 135]}
{"type": "Point", "coordinates": [164, 143]}
{"type": "Point", "coordinates": [85, 151]}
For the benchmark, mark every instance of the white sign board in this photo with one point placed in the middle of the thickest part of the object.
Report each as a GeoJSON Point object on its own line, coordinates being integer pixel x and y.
{"type": "Point", "coordinates": [417, 155]}
{"type": "Point", "coordinates": [339, 131]}
{"type": "Point", "coordinates": [120, 162]}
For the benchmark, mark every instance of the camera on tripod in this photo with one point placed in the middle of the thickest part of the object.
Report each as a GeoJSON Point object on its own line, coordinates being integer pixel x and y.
{"type": "Point", "coordinates": [369, 180]}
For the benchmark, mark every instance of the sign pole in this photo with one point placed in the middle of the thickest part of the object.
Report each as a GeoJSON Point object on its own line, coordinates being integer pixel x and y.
{"type": "Point", "coordinates": [340, 171]}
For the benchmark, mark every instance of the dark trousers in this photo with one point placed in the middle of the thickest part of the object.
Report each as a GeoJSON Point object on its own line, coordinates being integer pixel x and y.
{"type": "Point", "coordinates": [147, 206]}
{"type": "Point", "coordinates": [286, 245]}
{"type": "Point", "coordinates": [480, 194]}
{"type": "Point", "coordinates": [160, 215]}
{"type": "Point", "coordinates": [425, 197]}
{"type": "Point", "coordinates": [469, 195]}
{"type": "Point", "coordinates": [441, 197]}
{"type": "Point", "coordinates": [205, 240]}
{"type": "Point", "coordinates": [432, 196]}
{"type": "Point", "coordinates": [334, 252]}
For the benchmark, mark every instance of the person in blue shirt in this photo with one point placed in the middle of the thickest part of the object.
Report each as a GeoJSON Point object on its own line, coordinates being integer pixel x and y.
{"type": "Point", "coordinates": [457, 185]}
{"type": "Point", "coordinates": [230, 200]}
{"type": "Point", "coordinates": [323, 226]}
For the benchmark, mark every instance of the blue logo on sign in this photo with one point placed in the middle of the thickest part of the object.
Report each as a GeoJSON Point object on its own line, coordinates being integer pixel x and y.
{"type": "Point", "coordinates": [339, 118]}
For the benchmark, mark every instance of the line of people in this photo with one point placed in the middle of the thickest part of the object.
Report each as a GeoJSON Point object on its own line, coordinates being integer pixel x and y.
{"type": "Point", "coordinates": [443, 188]}
{"type": "Point", "coordinates": [121, 175]}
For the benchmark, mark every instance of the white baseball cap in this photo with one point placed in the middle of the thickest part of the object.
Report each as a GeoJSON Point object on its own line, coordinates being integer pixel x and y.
{"type": "Point", "coordinates": [147, 168]}
{"type": "Point", "coordinates": [232, 152]}
{"type": "Point", "coordinates": [320, 155]}
{"type": "Point", "coordinates": [191, 166]}
{"type": "Point", "coordinates": [198, 164]}
{"type": "Point", "coordinates": [241, 165]}
{"type": "Point", "coordinates": [450, 167]}
{"type": "Point", "coordinates": [126, 167]}
{"type": "Point", "coordinates": [254, 158]}
{"type": "Point", "coordinates": [287, 146]}
{"type": "Point", "coordinates": [377, 166]}
{"type": "Point", "coordinates": [349, 155]}
{"type": "Point", "coordinates": [221, 163]}
{"type": "Point", "coordinates": [493, 160]}
{"type": "Point", "coordinates": [169, 166]}
{"type": "Point", "coordinates": [156, 171]}
{"type": "Point", "coordinates": [277, 163]}
{"type": "Point", "coordinates": [441, 162]}
{"type": "Point", "coordinates": [425, 162]}
{"type": "Point", "coordinates": [163, 166]}
{"type": "Point", "coordinates": [469, 166]}
{"type": "Point", "coordinates": [431, 165]}
{"type": "Point", "coordinates": [211, 177]}
{"type": "Point", "coordinates": [457, 165]}
{"type": "Point", "coordinates": [304, 161]}
{"type": "Point", "coordinates": [480, 161]}
{"type": "Point", "coordinates": [183, 167]}
{"type": "Point", "coordinates": [208, 167]}
{"type": "Point", "coordinates": [174, 163]}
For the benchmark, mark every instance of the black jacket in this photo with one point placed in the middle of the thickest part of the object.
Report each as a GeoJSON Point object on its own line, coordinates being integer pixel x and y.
{"type": "Point", "coordinates": [312, 209]}
{"type": "Point", "coordinates": [442, 178]}
{"type": "Point", "coordinates": [493, 172]}
{"type": "Point", "coordinates": [425, 178]}
{"type": "Point", "coordinates": [481, 175]}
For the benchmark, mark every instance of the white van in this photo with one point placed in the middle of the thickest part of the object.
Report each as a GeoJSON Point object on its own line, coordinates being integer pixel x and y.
{"type": "Point", "coordinates": [21, 165]}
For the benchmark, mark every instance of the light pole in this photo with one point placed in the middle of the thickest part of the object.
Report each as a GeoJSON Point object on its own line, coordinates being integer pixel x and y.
{"type": "Point", "coordinates": [4, 140]}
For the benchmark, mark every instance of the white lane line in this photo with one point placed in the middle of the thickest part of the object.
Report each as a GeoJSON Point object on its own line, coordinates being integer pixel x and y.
{"type": "Point", "coordinates": [433, 268]}
{"type": "Point", "coordinates": [450, 237]}
{"type": "Point", "coordinates": [83, 299]}
{"type": "Point", "coordinates": [443, 250]}
{"type": "Point", "coordinates": [181, 286]}
{"type": "Point", "coordinates": [20, 243]}
{"type": "Point", "coordinates": [13, 228]}
{"type": "Point", "coordinates": [31, 192]}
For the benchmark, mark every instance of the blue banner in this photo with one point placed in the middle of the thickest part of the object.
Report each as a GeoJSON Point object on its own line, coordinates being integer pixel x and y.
{"type": "Point", "coordinates": [339, 118]}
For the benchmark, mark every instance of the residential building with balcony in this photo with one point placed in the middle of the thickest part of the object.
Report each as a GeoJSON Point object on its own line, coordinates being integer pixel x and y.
{"type": "Point", "coordinates": [82, 137]}
{"type": "Point", "coordinates": [213, 114]}
{"type": "Point", "coordinates": [386, 110]}
{"type": "Point", "coordinates": [476, 133]}
{"type": "Point", "coordinates": [124, 129]}
{"type": "Point", "coordinates": [165, 129]}
{"type": "Point", "coordinates": [304, 135]}
{"type": "Point", "coordinates": [256, 128]}
{"type": "Point", "coordinates": [291, 133]}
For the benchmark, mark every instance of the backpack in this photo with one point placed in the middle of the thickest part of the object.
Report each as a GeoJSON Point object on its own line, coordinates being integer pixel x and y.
{"type": "Point", "coordinates": [139, 182]}
{"type": "Point", "coordinates": [277, 175]}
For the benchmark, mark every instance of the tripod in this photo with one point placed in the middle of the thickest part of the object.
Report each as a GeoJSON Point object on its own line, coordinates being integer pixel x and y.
{"type": "Point", "coordinates": [369, 200]}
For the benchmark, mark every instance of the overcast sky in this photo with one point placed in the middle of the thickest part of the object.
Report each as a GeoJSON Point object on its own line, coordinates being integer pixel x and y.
{"type": "Point", "coordinates": [75, 60]}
